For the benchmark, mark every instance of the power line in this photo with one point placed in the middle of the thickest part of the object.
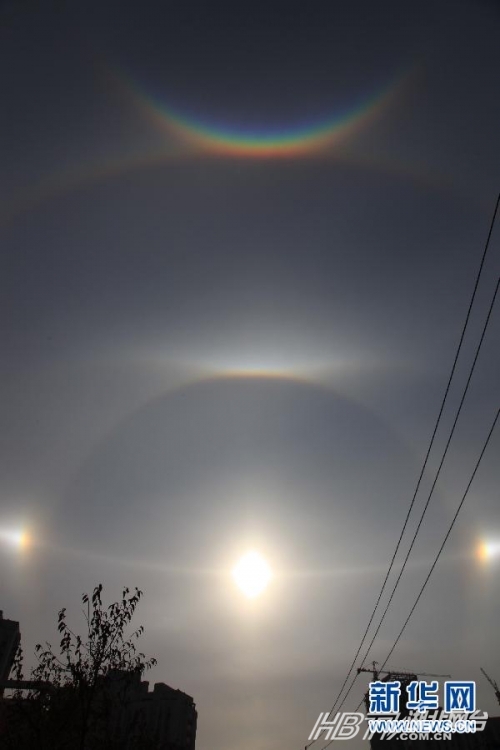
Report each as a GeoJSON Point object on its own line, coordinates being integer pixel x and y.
{"type": "Point", "coordinates": [471, 371]}
{"type": "Point", "coordinates": [445, 538]}
{"type": "Point", "coordinates": [424, 466]}
{"type": "Point", "coordinates": [438, 555]}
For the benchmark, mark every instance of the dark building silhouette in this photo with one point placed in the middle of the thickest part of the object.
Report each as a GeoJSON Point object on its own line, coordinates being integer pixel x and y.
{"type": "Point", "coordinates": [10, 638]}
{"type": "Point", "coordinates": [124, 710]}
{"type": "Point", "coordinates": [165, 714]}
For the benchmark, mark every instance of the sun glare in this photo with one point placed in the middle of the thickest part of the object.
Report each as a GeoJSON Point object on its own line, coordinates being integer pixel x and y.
{"type": "Point", "coordinates": [252, 574]}
{"type": "Point", "coordinates": [488, 550]}
{"type": "Point", "coordinates": [18, 539]}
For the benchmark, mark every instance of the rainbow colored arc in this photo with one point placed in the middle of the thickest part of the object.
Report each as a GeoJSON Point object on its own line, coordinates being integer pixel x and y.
{"type": "Point", "coordinates": [291, 141]}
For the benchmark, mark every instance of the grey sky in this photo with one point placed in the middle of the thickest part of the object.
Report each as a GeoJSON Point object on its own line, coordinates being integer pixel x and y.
{"type": "Point", "coordinates": [205, 353]}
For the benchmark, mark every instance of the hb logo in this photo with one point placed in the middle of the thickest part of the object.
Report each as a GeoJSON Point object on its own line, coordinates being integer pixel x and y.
{"type": "Point", "coordinates": [344, 726]}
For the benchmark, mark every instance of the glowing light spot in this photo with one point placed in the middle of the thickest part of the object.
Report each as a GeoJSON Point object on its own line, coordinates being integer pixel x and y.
{"type": "Point", "coordinates": [252, 574]}
{"type": "Point", "coordinates": [19, 539]}
{"type": "Point", "coordinates": [486, 551]}
{"type": "Point", "coordinates": [24, 540]}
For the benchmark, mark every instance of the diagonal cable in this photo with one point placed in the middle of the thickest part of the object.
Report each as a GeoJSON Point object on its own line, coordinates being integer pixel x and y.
{"type": "Point", "coordinates": [424, 466]}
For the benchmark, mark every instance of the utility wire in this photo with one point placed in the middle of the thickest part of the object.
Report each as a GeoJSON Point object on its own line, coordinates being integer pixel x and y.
{"type": "Point", "coordinates": [478, 349]}
{"type": "Point", "coordinates": [471, 371]}
{"type": "Point", "coordinates": [438, 555]}
{"type": "Point", "coordinates": [424, 466]}
{"type": "Point", "coordinates": [462, 501]}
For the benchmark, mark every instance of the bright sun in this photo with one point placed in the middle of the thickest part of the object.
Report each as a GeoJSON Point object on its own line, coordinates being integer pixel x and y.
{"type": "Point", "coordinates": [252, 574]}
